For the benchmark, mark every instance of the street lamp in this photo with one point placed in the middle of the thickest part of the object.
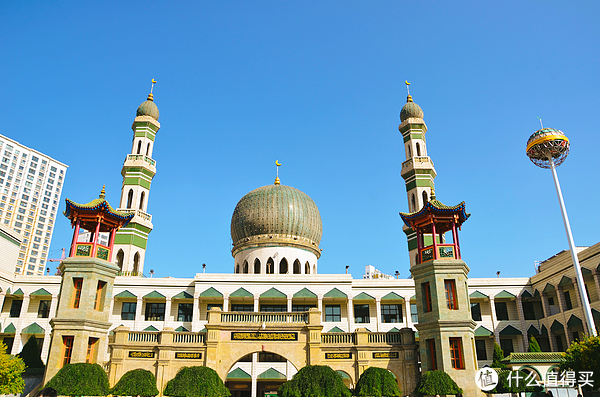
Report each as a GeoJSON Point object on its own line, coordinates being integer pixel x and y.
{"type": "Point", "coordinates": [549, 148]}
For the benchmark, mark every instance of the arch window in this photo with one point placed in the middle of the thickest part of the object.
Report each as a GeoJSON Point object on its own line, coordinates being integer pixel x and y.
{"type": "Point", "coordinates": [418, 150]}
{"type": "Point", "coordinates": [306, 268]}
{"type": "Point", "coordinates": [129, 198]}
{"type": "Point", "coordinates": [270, 266]}
{"type": "Point", "coordinates": [139, 147]}
{"type": "Point", "coordinates": [425, 200]}
{"type": "Point", "coordinates": [314, 271]}
{"type": "Point", "coordinates": [256, 266]}
{"type": "Point", "coordinates": [413, 202]}
{"type": "Point", "coordinates": [296, 266]}
{"type": "Point", "coordinates": [409, 151]}
{"type": "Point", "coordinates": [148, 149]}
{"type": "Point", "coordinates": [245, 267]}
{"type": "Point", "coordinates": [237, 268]}
{"type": "Point", "coordinates": [142, 196]}
{"type": "Point", "coordinates": [283, 266]}
{"type": "Point", "coordinates": [120, 256]}
{"type": "Point", "coordinates": [136, 263]}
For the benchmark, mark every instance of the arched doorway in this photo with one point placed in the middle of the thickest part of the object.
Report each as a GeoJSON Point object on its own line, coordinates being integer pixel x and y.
{"type": "Point", "coordinates": [269, 369]}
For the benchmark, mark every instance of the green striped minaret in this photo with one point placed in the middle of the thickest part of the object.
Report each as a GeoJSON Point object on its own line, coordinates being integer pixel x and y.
{"type": "Point", "coordinates": [418, 171]}
{"type": "Point", "coordinates": [138, 170]}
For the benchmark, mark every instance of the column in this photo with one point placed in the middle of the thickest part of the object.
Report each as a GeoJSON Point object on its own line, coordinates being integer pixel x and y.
{"type": "Point", "coordinates": [138, 314]}
{"type": "Point", "coordinates": [254, 374]}
{"type": "Point", "coordinates": [225, 302]}
{"type": "Point", "coordinates": [350, 315]}
{"type": "Point", "coordinates": [196, 313]}
{"type": "Point", "coordinates": [19, 324]}
{"type": "Point", "coordinates": [562, 305]}
{"type": "Point", "coordinates": [256, 298]}
{"type": "Point", "coordinates": [523, 326]}
{"type": "Point", "coordinates": [320, 303]}
{"type": "Point", "coordinates": [494, 320]}
{"type": "Point", "coordinates": [407, 313]}
{"type": "Point", "coordinates": [377, 314]}
{"type": "Point", "coordinates": [289, 303]}
{"type": "Point", "coordinates": [167, 312]}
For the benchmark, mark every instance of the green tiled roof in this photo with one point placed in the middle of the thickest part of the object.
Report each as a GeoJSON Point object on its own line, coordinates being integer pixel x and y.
{"type": "Point", "coordinates": [413, 298]}
{"type": "Point", "coordinates": [483, 331]}
{"type": "Point", "coordinates": [238, 373]}
{"type": "Point", "coordinates": [478, 294]}
{"type": "Point", "coordinates": [585, 271]}
{"type": "Point", "coordinates": [335, 293]}
{"type": "Point", "coordinates": [533, 357]}
{"type": "Point", "coordinates": [203, 330]}
{"type": "Point", "coordinates": [526, 294]}
{"type": "Point", "coordinates": [564, 280]}
{"type": "Point", "coordinates": [151, 328]}
{"type": "Point", "coordinates": [574, 321]}
{"type": "Point", "coordinates": [509, 330]}
{"type": "Point", "coordinates": [183, 295]}
{"type": "Point", "coordinates": [241, 293]}
{"type": "Point", "coordinates": [33, 329]}
{"type": "Point", "coordinates": [212, 293]}
{"type": "Point", "coordinates": [392, 296]}
{"type": "Point", "coordinates": [556, 326]}
{"type": "Point", "coordinates": [305, 293]}
{"type": "Point", "coordinates": [100, 204]}
{"type": "Point", "coordinates": [394, 330]}
{"type": "Point", "coordinates": [549, 287]}
{"type": "Point", "coordinates": [504, 294]}
{"type": "Point", "coordinates": [154, 294]}
{"type": "Point", "coordinates": [532, 330]}
{"type": "Point", "coordinates": [271, 373]}
{"type": "Point", "coordinates": [343, 374]}
{"type": "Point", "coordinates": [335, 330]}
{"type": "Point", "coordinates": [10, 329]}
{"type": "Point", "coordinates": [363, 297]}
{"type": "Point", "coordinates": [18, 292]}
{"type": "Point", "coordinates": [41, 292]}
{"type": "Point", "coordinates": [273, 293]}
{"type": "Point", "coordinates": [8, 291]}
{"type": "Point", "coordinates": [181, 329]}
{"type": "Point", "coordinates": [125, 294]}
{"type": "Point", "coordinates": [436, 207]}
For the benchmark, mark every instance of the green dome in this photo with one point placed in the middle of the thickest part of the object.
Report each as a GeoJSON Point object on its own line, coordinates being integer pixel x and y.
{"type": "Point", "coordinates": [148, 108]}
{"type": "Point", "coordinates": [411, 110]}
{"type": "Point", "coordinates": [276, 214]}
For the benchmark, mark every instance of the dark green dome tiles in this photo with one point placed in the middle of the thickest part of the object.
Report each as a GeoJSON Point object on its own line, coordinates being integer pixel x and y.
{"type": "Point", "coordinates": [276, 215]}
{"type": "Point", "coordinates": [148, 108]}
{"type": "Point", "coordinates": [411, 110]}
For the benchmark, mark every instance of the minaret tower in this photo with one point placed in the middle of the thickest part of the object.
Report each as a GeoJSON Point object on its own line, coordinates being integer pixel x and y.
{"type": "Point", "coordinates": [418, 171]}
{"type": "Point", "coordinates": [138, 170]}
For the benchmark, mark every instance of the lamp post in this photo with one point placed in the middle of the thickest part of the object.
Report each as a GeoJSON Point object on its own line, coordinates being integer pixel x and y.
{"type": "Point", "coordinates": [549, 148]}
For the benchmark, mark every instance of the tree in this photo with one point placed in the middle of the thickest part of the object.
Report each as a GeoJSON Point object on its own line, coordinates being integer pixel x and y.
{"type": "Point", "coordinates": [137, 382]}
{"type": "Point", "coordinates": [31, 354]}
{"type": "Point", "coordinates": [80, 379]}
{"type": "Point", "coordinates": [11, 369]}
{"type": "Point", "coordinates": [196, 382]}
{"type": "Point", "coordinates": [584, 355]}
{"type": "Point", "coordinates": [498, 357]}
{"type": "Point", "coordinates": [516, 384]}
{"type": "Point", "coordinates": [534, 346]}
{"type": "Point", "coordinates": [436, 382]}
{"type": "Point", "coordinates": [377, 382]}
{"type": "Point", "coordinates": [314, 381]}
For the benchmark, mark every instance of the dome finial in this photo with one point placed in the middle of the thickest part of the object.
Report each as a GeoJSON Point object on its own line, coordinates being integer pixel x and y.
{"type": "Point", "coordinates": [277, 181]}
{"type": "Point", "coordinates": [408, 98]}
{"type": "Point", "coordinates": [432, 194]}
{"type": "Point", "coordinates": [103, 192]}
{"type": "Point", "coordinates": [151, 96]}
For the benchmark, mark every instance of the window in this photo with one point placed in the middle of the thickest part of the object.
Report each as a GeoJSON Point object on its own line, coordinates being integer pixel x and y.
{"type": "Point", "coordinates": [451, 300]}
{"type": "Point", "coordinates": [90, 357]}
{"type": "Point", "coordinates": [361, 314]}
{"type": "Point", "coordinates": [256, 266]}
{"type": "Point", "coordinates": [8, 341]}
{"type": "Point", "coordinates": [333, 313]}
{"type": "Point", "coordinates": [507, 346]}
{"type": "Point", "coordinates": [391, 313]}
{"type": "Point", "coordinates": [129, 198]}
{"type": "Point", "coordinates": [265, 357]}
{"type": "Point", "coordinates": [426, 292]}
{"type": "Point", "coordinates": [432, 354]}
{"type": "Point", "coordinates": [576, 336]}
{"type": "Point", "coordinates": [559, 343]}
{"type": "Point", "coordinates": [528, 311]}
{"type": "Point", "coordinates": [155, 312]}
{"type": "Point", "coordinates": [414, 316]}
{"type": "Point", "coordinates": [67, 349]}
{"type": "Point", "coordinates": [302, 308]}
{"type": "Point", "coordinates": [456, 353]}
{"type": "Point", "coordinates": [551, 301]}
{"type": "Point", "coordinates": [44, 309]}
{"type": "Point", "coordinates": [296, 266]}
{"type": "Point", "coordinates": [501, 311]}
{"type": "Point", "coordinates": [270, 266]}
{"type": "Point", "coordinates": [568, 300]}
{"type": "Point", "coordinates": [99, 300]}
{"type": "Point", "coordinates": [273, 308]}
{"type": "Point", "coordinates": [142, 196]}
{"type": "Point", "coordinates": [283, 266]}
{"type": "Point", "coordinates": [476, 311]}
{"type": "Point", "coordinates": [128, 310]}
{"type": "Point", "coordinates": [77, 285]}
{"type": "Point", "coordinates": [15, 308]}
{"type": "Point", "coordinates": [185, 311]}
{"type": "Point", "coordinates": [242, 308]}
{"type": "Point", "coordinates": [480, 349]}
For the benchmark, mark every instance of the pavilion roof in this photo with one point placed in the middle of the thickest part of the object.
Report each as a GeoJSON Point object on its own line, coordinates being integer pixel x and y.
{"type": "Point", "coordinates": [99, 205]}
{"type": "Point", "coordinates": [436, 207]}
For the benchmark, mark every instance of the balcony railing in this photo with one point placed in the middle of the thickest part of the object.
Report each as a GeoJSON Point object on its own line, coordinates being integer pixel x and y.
{"type": "Point", "coordinates": [137, 157]}
{"type": "Point", "coordinates": [188, 337]}
{"type": "Point", "coordinates": [85, 250]}
{"type": "Point", "coordinates": [389, 338]}
{"type": "Point", "coordinates": [417, 160]}
{"type": "Point", "coordinates": [147, 337]}
{"type": "Point", "coordinates": [267, 318]}
{"type": "Point", "coordinates": [338, 338]}
{"type": "Point", "coordinates": [445, 251]}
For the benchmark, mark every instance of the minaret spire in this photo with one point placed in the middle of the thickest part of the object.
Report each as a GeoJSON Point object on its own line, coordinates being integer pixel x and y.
{"type": "Point", "coordinates": [277, 181]}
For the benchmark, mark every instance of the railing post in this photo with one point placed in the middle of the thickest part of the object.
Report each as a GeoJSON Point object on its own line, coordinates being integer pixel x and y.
{"type": "Point", "coordinates": [362, 336]}
{"type": "Point", "coordinates": [121, 335]}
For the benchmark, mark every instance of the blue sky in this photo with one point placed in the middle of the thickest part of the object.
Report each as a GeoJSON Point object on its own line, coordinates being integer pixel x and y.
{"type": "Point", "coordinates": [317, 86]}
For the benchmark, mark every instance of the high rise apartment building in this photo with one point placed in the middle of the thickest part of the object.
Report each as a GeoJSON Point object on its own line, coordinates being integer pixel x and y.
{"type": "Point", "coordinates": [30, 187]}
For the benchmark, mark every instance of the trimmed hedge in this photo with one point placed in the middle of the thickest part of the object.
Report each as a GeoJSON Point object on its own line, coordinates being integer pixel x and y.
{"type": "Point", "coordinates": [314, 381]}
{"type": "Point", "coordinates": [31, 354]}
{"type": "Point", "coordinates": [196, 382]}
{"type": "Point", "coordinates": [436, 382]}
{"type": "Point", "coordinates": [80, 380]}
{"type": "Point", "coordinates": [377, 382]}
{"type": "Point", "coordinates": [137, 382]}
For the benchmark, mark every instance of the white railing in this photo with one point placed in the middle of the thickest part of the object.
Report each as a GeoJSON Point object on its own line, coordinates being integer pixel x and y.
{"type": "Point", "coordinates": [188, 337]}
{"type": "Point", "coordinates": [267, 318]}
{"type": "Point", "coordinates": [150, 337]}
{"type": "Point", "coordinates": [390, 338]}
{"type": "Point", "coordinates": [136, 157]}
{"type": "Point", "coordinates": [338, 338]}
{"type": "Point", "coordinates": [417, 159]}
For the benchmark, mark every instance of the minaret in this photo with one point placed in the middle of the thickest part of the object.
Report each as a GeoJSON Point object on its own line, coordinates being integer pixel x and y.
{"type": "Point", "coordinates": [418, 171]}
{"type": "Point", "coordinates": [138, 170]}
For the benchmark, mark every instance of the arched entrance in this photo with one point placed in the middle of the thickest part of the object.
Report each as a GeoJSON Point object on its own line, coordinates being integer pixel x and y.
{"type": "Point", "coordinates": [259, 374]}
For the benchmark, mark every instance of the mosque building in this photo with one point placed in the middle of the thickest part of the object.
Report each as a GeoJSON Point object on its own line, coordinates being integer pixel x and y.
{"type": "Point", "coordinates": [275, 313]}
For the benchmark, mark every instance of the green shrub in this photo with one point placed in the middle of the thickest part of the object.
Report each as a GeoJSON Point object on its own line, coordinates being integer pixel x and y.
{"type": "Point", "coordinates": [377, 382]}
{"type": "Point", "coordinates": [137, 382]}
{"type": "Point", "coordinates": [534, 346]}
{"type": "Point", "coordinates": [314, 381]}
{"type": "Point", "coordinates": [436, 382]}
{"type": "Point", "coordinates": [513, 386]}
{"type": "Point", "coordinates": [31, 354]}
{"type": "Point", "coordinates": [498, 356]}
{"type": "Point", "coordinates": [11, 369]}
{"type": "Point", "coordinates": [80, 380]}
{"type": "Point", "coordinates": [196, 382]}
